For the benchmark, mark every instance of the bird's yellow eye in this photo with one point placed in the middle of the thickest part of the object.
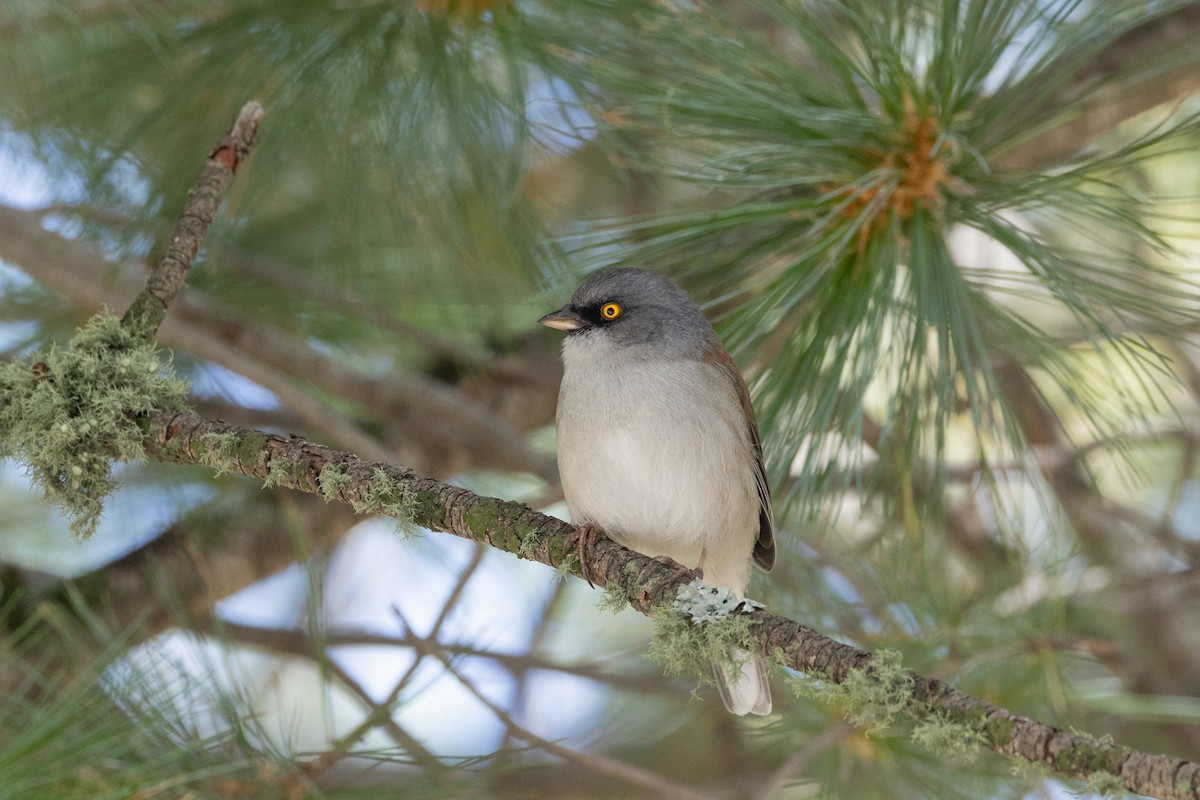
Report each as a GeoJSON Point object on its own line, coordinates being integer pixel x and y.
{"type": "Point", "coordinates": [610, 310]}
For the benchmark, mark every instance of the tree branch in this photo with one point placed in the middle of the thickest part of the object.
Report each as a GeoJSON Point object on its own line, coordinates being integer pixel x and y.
{"type": "Point", "coordinates": [301, 643]}
{"type": "Point", "coordinates": [648, 584]}
{"type": "Point", "coordinates": [603, 765]}
{"type": "Point", "coordinates": [199, 209]}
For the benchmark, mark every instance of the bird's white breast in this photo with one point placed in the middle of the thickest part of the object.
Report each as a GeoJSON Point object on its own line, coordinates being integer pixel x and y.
{"type": "Point", "coordinates": [657, 453]}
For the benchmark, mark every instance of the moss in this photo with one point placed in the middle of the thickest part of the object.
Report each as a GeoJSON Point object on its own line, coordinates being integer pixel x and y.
{"type": "Point", "coordinates": [250, 447]}
{"type": "Point", "coordinates": [66, 412]}
{"type": "Point", "coordinates": [568, 565]}
{"type": "Point", "coordinates": [1088, 755]}
{"type": "Point", "coordinates": [483, 520]}
{"type": "Point", "coordinates": [563, 553]}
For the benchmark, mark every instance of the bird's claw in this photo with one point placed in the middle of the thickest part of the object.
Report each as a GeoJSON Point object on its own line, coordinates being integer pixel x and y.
{"type": "Point", "coordinates": [582, 539]}
{"type": "Point", "coordinates": [680, 570]}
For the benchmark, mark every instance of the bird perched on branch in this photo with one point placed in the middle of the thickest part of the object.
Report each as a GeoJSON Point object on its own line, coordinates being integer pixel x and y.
{"type": "Point", "coordinates": [657, 442]}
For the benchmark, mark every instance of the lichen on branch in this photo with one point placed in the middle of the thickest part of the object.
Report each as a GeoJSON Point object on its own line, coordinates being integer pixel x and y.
{"type": "Point", "coordinates": [684, 646]}
{"type": "Point", "coordinates": [67, 412]}
{"type": "Point", "coordinates": [878, 689]}
{"type": "Point", "coordinates": [875, 696]}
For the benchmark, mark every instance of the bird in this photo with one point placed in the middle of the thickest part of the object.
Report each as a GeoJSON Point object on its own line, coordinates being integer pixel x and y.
{"type": "Point", "coordinates": [658, 446]}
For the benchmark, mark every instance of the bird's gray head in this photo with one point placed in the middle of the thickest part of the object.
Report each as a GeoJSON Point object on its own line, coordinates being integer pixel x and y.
{"type": "Point", "coordinates": [634, 308]}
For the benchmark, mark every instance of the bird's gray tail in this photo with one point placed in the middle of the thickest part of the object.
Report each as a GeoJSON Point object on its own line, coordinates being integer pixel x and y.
{"type": "Point", "coordinates": [744, 687]}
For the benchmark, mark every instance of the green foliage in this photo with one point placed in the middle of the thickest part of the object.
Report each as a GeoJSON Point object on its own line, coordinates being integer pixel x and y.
{"type": "Point", "coordinates": [76, 744]}
{"type": "Point", "coordinates": [801, 166]}
{"type": "Point", "coordinates": [830, 179]}
{"type": "Point", "coordinates": [85, 726]}
{"type": "Point", "coordinates": [391, 116]}
{"type": "Point", "coordinates": [66, 412]}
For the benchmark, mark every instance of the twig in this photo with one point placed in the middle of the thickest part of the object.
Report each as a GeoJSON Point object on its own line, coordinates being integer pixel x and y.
{"type": "Point", "coordinates": [166, 279]}
{"type": "Point", "coordinates": [1160, 623]}
{"type": "Point", "coordinates": [379, 715]}
{"type": "Point", "coordinates": [649, 584]}
{"type": "Point", "coordinates": [520, 693]}
{"type": "Point", "coordinates": [597, 763]}
{"type": "Point", "coordinates": [456, 594]}
{"type": "Point", "coordinates": [435, 630]}
{"type": "Point", "coordinates": [300, 643]}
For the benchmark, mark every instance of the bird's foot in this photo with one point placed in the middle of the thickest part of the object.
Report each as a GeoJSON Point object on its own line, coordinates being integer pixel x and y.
{"type": "Point", "coordinates": [582, 539]}
{"type": "Point", "coordinates": [680, 570]}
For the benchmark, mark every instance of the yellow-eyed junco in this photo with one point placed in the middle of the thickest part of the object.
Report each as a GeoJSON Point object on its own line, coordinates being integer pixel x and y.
{"type": "Point", "coordinates": [657, 441]}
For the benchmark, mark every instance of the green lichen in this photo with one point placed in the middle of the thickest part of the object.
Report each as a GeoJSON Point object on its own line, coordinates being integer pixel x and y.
{"type": "Point", "coordinates": [529, 544]}
{"type": "Point", "coordinates": [331, 481]}
{"type": "Point", "coordinates": [999, 730]}
{"type": "Point", "coordinates": [683, 646]}
{"type": "Point", "coordinates": [220, 452]}
{"type": "Point", "coordinates": [959, 741]}
{"type": "Point", "coordinates": [1088, 754]}
{"type": "Point", "coordinates": [566, 561]}
{"type": "Point", "coordinates": [428, 510]}
{"type": "Point", "coordinates": [67, 412]}
{"type": "Point", "coordinates": [492, 521]}
{"type": "Point", "coordinates": [1029, 771]}
{"type": "Point", "coordinates": [613, 600]}
{"type": "Point", "coordinates": [568, 565]}
{"type": "Point", "coordinates": [279, 469]}
{"type": "Point", "coordinates": [561, 550]}
{"type": "Point", "coordinates": [388, 497]}
{"type": "Point", "coordinates": [1105, 784]}
{"type": "Point", "coordinates": [874, 696]}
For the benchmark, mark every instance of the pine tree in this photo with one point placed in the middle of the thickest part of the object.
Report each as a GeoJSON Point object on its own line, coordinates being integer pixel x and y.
{"type": "Point", "coordinates": [951, 243]}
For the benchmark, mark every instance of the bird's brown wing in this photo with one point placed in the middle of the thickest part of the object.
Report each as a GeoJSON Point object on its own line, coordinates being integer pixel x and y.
{"type": "Point", "coordinates": [764, 545]}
